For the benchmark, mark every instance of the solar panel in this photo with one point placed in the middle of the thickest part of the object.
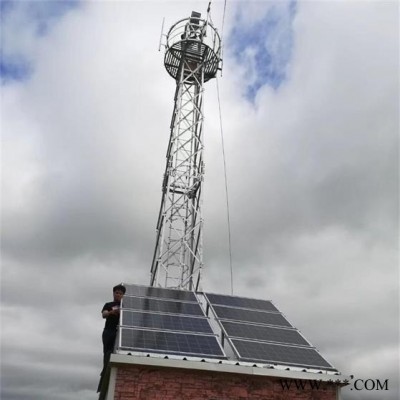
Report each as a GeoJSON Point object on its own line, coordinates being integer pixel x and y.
{"type": "Point", "coordinates": [281, 354]}
{"type": "Point", "coordinates": [259, 317]}
{"type": "Point", "coordinates": [165, 322]}
{"type": "Point", "coordinates": [258, 332]}
{"type": "Point", "coordinates": [243, 302]}
{"type": "Point", "coordinates": [169, 321]}
{"type": "Point", "coordinates": [267, 333]}
{"type": "Point", "coordinates": [158, 305]}
{"type": "Point", "coordinates": [150, 291]}
{"type": "Point", "coordinates": [170, 343]}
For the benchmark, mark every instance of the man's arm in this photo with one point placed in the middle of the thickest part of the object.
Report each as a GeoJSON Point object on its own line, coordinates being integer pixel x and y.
{"type": "Point", "coordinates": [107, 313]}
{"type": "Point", "coordinates": [108, 310]}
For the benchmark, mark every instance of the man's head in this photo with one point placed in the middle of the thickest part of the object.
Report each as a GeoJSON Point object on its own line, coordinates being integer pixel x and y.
{"type": "Point", "coordinates": [119, 292]}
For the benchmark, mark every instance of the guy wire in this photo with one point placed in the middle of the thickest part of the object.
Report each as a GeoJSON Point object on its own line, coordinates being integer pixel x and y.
{"type": "Point", "coordinates": [226, 187]}
{"type": "Point", "coordinates": [222, 28]}
{"type": "Point", "coordinates": [222, 31]}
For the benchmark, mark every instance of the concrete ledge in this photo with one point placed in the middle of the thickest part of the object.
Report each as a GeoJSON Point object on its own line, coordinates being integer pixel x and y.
{"type": "Point", "coordinates": [124, 359]}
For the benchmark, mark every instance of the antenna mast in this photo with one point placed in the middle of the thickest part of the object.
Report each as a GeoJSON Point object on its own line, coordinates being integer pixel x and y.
{"type": "Point", "coordinates": [192, 57]}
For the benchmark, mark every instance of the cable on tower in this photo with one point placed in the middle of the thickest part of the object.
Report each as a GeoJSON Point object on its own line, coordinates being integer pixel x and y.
{"type": "Point", "coordinates": [226, 188]}
{"type": "Point", "coordinates": [222, 31]}
{"type": "Point", "coordinates": [209, 18]}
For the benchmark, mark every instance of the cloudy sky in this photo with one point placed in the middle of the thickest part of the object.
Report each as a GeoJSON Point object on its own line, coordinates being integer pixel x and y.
{"type": "Point", "coordinates": [309, 99]}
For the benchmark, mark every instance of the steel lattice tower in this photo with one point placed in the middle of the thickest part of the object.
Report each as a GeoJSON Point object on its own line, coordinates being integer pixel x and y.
{"type": "Point", "coordinates": [192, 57]}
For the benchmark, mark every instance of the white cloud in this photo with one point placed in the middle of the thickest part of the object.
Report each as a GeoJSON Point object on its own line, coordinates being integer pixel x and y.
{"type": "Point", "coordinates": [312, 171]}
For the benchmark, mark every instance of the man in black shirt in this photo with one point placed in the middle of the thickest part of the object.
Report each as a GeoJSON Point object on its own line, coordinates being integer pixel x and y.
{"type": "Point", "coordinates": [110, 312]}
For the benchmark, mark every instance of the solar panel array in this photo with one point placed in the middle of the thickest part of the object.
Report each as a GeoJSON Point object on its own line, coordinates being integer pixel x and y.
{"type": "Point", "coordinates": [258, 332]}
{"type": "Point", "coordinates": [167, 321]}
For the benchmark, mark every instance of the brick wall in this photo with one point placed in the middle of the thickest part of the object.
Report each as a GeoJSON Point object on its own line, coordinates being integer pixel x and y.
{"type": "Point", "coordinates": [145, 383]}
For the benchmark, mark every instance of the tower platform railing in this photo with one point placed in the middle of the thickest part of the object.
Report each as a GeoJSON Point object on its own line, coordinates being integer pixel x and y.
{"type": "Point", "coordinates": [196, 40]}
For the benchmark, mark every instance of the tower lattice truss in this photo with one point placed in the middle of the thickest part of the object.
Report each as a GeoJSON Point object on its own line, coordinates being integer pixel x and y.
{"type": "Point", "coordinates": [191, 58]}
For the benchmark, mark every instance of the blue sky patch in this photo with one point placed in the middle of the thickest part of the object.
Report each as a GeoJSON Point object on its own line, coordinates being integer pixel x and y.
{"type": "Point", "coordinates": [5, 6]}
{"type": "Point", "coordinates": [23, 19]}
{"type": "Point", "coordinates": [14, 70]}
{"type": "Point", "coordinates": [46, 13]}
{"type": "Point", "coordinates": [264, 49]}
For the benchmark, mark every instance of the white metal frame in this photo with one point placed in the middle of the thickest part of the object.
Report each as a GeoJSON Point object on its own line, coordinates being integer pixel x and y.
{"type": "Point", "coordinates": [192, 57]}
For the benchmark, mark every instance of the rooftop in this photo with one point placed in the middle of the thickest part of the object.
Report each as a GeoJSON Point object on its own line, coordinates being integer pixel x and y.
{"type": "Point", "coordinates": [212, 331]}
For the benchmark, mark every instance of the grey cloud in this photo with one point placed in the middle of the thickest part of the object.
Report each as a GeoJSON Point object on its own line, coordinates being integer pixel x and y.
{"type": "Point", "coordinates": [312, 172]}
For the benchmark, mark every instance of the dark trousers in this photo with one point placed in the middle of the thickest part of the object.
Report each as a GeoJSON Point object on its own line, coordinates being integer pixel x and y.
{"type": "Point", "coordinates": [108, 338]}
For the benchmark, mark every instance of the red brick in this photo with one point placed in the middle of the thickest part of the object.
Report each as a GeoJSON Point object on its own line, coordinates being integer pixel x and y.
{"type": "Point", "coordinates": [143, 383]}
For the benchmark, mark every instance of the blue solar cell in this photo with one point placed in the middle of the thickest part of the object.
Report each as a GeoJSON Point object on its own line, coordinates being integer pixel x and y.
{"type": "Point", "coordinates": [158, 305]}
{"type": "Point", "coordinates": [165, 322]}
{"type": "Point", "coordinates": [280, 354]}
{"type": "Point", "coordinates": [170, 343]}
{"type": "Point", "coordinates": [243, 302]}
{"type": "Point", "coordinates": [266, 333]}
{"type": "Point", "coordinates": [259, 317]}
{"type": "Point", "coordinates": [162, 293]}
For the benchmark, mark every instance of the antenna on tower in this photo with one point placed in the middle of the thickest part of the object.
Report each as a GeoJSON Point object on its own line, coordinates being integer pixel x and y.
{"type": "Point", "coordinates": [161, 34]}
{"type": "Point", "coordinates": [192, 57]}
